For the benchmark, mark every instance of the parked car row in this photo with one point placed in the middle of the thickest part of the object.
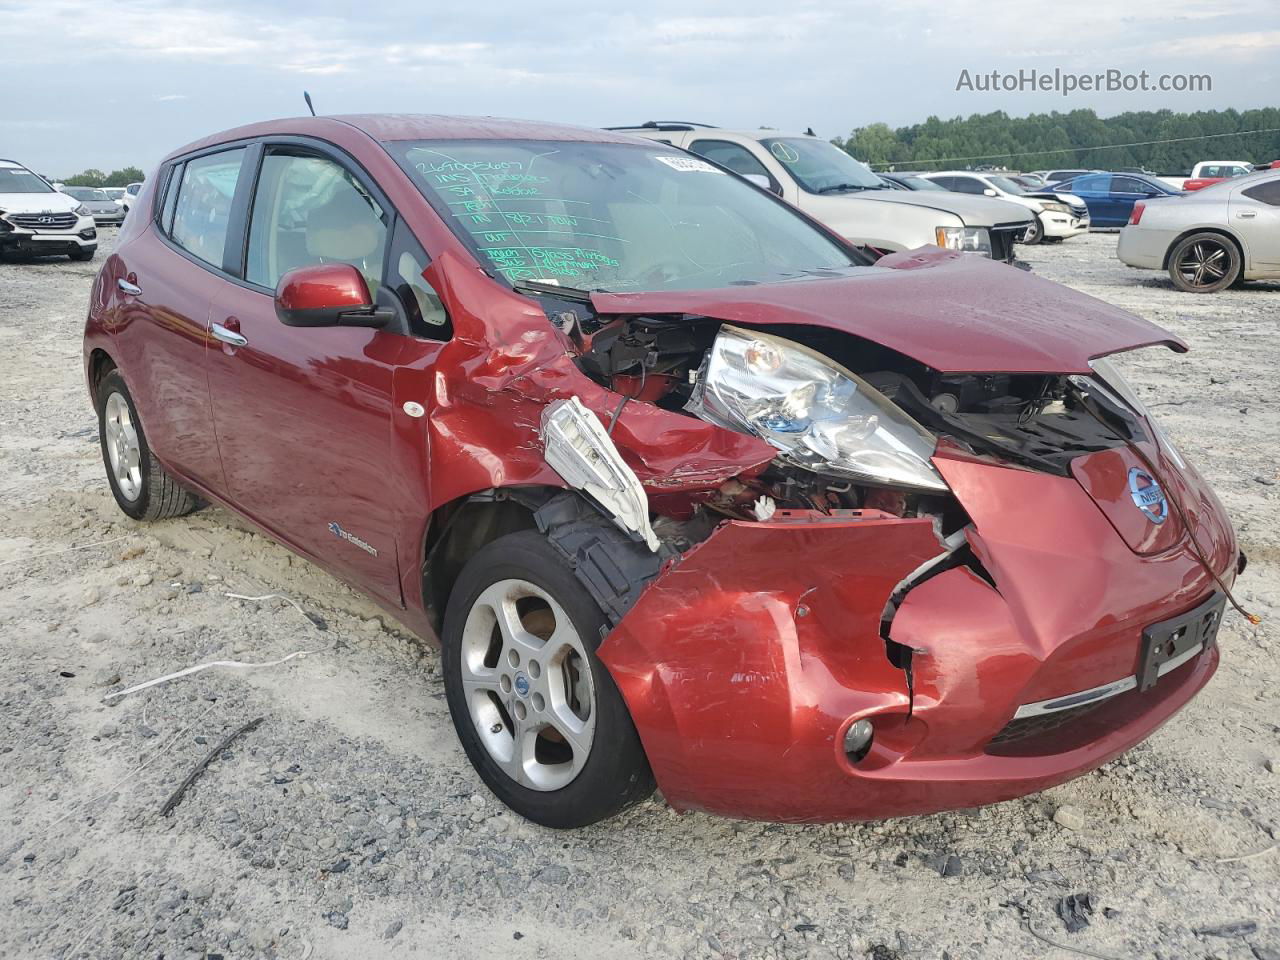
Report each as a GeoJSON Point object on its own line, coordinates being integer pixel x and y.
{"type": "Point", "coordinates": [833, 188]}
{"type": "Point", "coordinates": [43, 218]}
{"type": "Point", "coordinates": [36, 219]}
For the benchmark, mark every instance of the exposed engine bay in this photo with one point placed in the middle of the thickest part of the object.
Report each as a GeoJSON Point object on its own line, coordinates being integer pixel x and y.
{"type": "Point", "coordinates": [854, 423]}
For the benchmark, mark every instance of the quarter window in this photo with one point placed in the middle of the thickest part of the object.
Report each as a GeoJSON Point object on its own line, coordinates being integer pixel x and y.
{"type": "Point", "coordinates": [203, 207]}
{"type": "Point", "coordinates": [309, 210]}
{"type": "Point", "coordinates": [1268, 192]}
{"type": "Point", "coordinates": [427, 315]}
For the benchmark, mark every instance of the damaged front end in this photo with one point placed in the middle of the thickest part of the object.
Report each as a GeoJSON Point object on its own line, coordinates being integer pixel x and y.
{"type": "Point", "coordinates": [871, 619]}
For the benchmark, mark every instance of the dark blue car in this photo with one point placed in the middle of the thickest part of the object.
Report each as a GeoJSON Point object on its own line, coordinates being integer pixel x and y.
{"type": "Point", "coordinates": [1110, 196]}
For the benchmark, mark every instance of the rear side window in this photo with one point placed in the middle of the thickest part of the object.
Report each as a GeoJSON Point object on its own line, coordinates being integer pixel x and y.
{"type": "Point", "coordinates": [1268, 192]}
{"type": "Point", "coordinates": [1093, 183]}
{"type": "Point", "coordinates": [732, 155]}
{"type": "Point", "coordinates": [203, 207]}
{"type": "Point", "coordinates": [1129, 185]}
{"type": "Point", "coordinates": [968, 185]}
{"type": "Point", "coordinates": [309, 210]}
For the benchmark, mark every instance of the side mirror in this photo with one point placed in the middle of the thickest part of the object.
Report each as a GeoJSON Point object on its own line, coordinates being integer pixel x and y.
{"type": "Point", "coordinates": [759, 179]}
{"type": "Point", "coordinates": [328, 295]}
{"type": "Point", "coordinates": [989, 193]}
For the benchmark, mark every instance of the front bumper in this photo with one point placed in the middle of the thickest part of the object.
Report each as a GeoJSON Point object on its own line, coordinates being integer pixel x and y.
{"type": "Point", "coordinates": [744, 664]}
{"type": "Point", "coordinates": [1064, 224]}
{"type": "Point", "coordinates": [83, 236]}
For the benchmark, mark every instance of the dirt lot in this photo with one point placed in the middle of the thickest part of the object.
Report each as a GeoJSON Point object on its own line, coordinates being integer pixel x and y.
{"type": "Point", "coordinates": [350, 825]}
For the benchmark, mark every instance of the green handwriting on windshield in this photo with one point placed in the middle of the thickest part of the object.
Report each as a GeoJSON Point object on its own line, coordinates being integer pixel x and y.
{"type": "Point", "coordinates": [523, 233]}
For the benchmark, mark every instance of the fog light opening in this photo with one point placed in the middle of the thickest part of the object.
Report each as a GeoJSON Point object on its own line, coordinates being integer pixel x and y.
{"type": "Point", "coordinates": [858, 739]}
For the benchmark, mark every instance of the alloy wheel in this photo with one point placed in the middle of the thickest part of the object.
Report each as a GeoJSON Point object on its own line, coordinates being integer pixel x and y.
{"type": "Point", "coordinates": [120, 436]}
{"type": "Point", "coordinates": [527, 682]}
{"type": "Point", "coordinates": [1204, 263]}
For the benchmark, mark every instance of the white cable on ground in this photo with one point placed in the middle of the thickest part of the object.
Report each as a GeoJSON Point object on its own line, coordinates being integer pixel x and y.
{"type": "Point", "coordinates": [272, 596]}
{"type": "Point", "coordinates": [238, 664]}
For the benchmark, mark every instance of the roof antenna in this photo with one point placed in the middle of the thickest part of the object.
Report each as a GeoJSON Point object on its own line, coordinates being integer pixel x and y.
{"type": "Point", "coordinates": [807, 133]}
{"type": "Point", "coordinates": [307, 97]}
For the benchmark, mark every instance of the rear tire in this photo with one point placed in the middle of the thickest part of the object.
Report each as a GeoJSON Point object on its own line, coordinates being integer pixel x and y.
{"type": "Point", "coordinates": [142, 488]}
{"type": "Point", "coordinates": [537, 712]}
{"type": "Point", "coordinates": [1204, 263]}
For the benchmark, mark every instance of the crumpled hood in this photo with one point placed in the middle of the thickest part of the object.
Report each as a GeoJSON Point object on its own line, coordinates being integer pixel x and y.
{"type": "Point", "coordinates": [954, 312]}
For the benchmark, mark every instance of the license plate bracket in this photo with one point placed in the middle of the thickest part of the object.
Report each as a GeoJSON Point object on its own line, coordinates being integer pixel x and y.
{"type": "Point", "coordinates": [1171, 642]}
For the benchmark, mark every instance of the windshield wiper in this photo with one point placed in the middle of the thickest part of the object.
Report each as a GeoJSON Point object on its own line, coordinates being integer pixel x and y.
{"type": "Point", "coordinates": [540, 289]}
{"type": "Point", "coordinates": [846, 186]}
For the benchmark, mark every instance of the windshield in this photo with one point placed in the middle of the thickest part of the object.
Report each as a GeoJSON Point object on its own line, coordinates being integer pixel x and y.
{"type": "Point", "coordinates": [1007, 185]}
{"type": "Point", "coordinates": [821, 167]}
{"type": "Point", "coordinates": [87, 193]}
{"type": "Point", "coordinates": [920, 183]}
{"type": "Point", "coordinates": [612, 216]}
{"type": "Point", "coordinates": [17, 180]}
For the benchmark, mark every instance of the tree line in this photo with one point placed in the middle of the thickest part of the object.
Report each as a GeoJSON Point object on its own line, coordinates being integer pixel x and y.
{"type": "Point", "coordinates": [1079, 138]}
{"type": "Point", "coordinates": [96, 178]}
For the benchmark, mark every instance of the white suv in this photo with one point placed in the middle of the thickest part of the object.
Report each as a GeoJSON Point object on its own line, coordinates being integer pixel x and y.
{"type": "Point", "coordinates": [834, 188]}
{"type": "Point", "coordinates": [37, 219]}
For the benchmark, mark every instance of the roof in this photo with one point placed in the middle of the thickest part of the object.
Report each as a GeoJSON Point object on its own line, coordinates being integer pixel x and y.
{"type": "Point", "coordinates": [414, 126]}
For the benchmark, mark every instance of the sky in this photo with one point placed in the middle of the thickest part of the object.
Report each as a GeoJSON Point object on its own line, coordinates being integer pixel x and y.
{"type": "Point", "coordinates": [109, 84]}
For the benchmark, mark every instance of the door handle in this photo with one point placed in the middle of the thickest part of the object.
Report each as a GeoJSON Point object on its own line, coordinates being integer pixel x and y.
{"type": "Point", "coordinates": [1247, 214]}
{"type": "Point", "coordinates": [228, 336]}
{"type": "Point", "coordinates": [130, 288]}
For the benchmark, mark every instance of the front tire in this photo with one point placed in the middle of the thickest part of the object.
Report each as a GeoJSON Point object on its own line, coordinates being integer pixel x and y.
{"type": "Point", "coordinates": [83, 255]}
{"type": "Point", "coordinates": [1204, 263]}
{"type": "Point", "coordinates": [142, 488]}
{"type": "Point", "coordinates": [537, 712]}
{"type": "Point", "coordinates": [1035, 233]}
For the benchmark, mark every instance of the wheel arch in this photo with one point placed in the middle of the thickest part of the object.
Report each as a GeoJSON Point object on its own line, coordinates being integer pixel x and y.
{"type": "Point", "coordinates": [100, 363]}
{"type": "Point", "coordinates": [1220, 231]}
{"type": "Point", "coordinates": [457, 529]}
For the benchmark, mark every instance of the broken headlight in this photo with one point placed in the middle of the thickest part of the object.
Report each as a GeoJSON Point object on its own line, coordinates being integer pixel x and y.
{"type": "Point", "coordinates": [818, 415]}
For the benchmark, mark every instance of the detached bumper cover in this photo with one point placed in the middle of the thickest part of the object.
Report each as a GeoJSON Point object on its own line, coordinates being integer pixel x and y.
{"type": "Point", "coordinates": [744, 664]}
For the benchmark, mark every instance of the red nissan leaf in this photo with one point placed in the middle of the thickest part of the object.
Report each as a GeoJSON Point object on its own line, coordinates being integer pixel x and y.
{"type": "Point", "coordinates": [690, 492]}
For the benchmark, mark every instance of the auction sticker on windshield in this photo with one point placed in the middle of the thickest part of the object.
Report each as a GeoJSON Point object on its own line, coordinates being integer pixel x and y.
{"type": "Point", "coordinates": [688, 164]}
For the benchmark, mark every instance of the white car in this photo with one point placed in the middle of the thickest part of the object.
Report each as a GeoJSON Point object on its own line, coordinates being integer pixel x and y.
{"type": "Point", "coordinates": [832, 187]}
{"type": "Point", "coordinates": [1211, 238]}
{"type": "Point", "coordinates": [1057, 215]}
{"type": "Point", "coordinates": [36, 219]}
{"type": "Point", "coordinates": [130, 195]}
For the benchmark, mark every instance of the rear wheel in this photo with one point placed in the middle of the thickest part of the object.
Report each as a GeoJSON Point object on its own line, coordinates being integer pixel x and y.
{"type": "Point", "coordinates": [142, 488]}
{"type": "Point", "coordinates": [537, 712]}
{"type": "Point", "coordinates": [1204, 263]}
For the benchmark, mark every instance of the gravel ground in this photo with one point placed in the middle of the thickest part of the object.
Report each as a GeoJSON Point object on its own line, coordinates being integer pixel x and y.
{"type": "Point", "coordinates": [349, 823]}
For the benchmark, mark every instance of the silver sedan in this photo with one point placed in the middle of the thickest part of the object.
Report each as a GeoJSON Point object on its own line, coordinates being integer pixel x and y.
{"type": "Point", "coordinates": [1212, 238]}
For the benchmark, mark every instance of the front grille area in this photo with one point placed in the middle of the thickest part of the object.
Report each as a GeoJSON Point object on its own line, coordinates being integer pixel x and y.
{"type": "Point", "coordinates": [1079, 211]}
{"type": "Point", "coordinates": [1024, 727]}
{"type": "Point", "coordinates": [43, 221]}
{"type": "Point", "coordinates": [1003, 236]}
